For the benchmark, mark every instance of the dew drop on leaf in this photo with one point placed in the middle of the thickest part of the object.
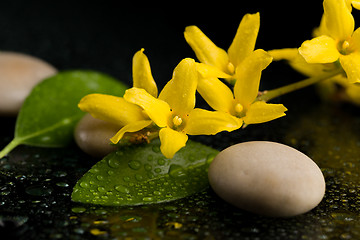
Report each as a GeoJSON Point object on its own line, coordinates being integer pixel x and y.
{"type": "Point", "coordinates": [114, 163]}
{"type": "Point", "coordinates": [122, 189]}
{"type": "Point", "coordinates": [176, 171]}
{"type": "Point", "coordinates": [100, 177]}
{"type": "Point", "coordinates": [135, 165]}
{"type": "Point", "coordinates": [156, 149]}
{"type": "Point", "coordinates": [84, 184]}
{"type": "Point", "coordinates": [147, 199]}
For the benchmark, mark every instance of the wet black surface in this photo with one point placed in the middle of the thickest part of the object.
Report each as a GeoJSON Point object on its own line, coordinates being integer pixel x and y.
{"type": "Point", "coordinates": [36, 183]}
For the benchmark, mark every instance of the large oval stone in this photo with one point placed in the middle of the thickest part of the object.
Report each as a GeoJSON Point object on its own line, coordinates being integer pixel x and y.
{"type": "Point", "coordinates": [267, 178]}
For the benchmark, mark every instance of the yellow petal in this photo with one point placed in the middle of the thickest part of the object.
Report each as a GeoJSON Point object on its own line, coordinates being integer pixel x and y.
{"type": "Point", "coordinates": [141, 72]}
{"type": "Point", "coordinates": [354, 42]}
{"type": "Point", "coordinates": [216, 94]}
{"type": "Point", "coordinates": [284, 54]}
{"type": "Point", "coordinates": [157, 110]}
{"type": "Point", "coordinates": [322, 29]}
{"type": "Point", "coordinates": [248, 75]}
{"type": "Point", "coordinates": [171, 141]}
{"type": "Point", "coordinates": [131, 127]}
{"type": "Point", "coordinates": [203, 122]}
{"type": "Point", "coordinates": [321, 49]}
{"type": "Point", "coordinates": [350, 64]}
{"type": "Point", "coordinates": [180, 91]}
{"type": "Point", "coordinates": [206, 71]}
{"type": "Point", "coordinates": [260, 112]}
{"type": "Point", "coordinates": [356, 4]}
{"type": "Point", "coordinates": [111, 109]}
{"type": "Point", "coordinates": [205, 50]}
{"type": "Point", "coordinates": [339, 21]}
{"type": "Point", "coordinates": [245, 38]}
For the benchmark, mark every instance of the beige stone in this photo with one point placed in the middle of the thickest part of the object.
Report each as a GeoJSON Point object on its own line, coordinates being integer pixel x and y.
{"type": "Point", "coordinates": [93, 136]}
{"type": "Point", "coordinates": [19, 73]}
{"type": "Point", "coordinates": [267, 178]}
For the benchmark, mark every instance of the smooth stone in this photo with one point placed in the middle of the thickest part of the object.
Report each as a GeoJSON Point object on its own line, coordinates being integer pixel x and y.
{"type": "Point", "coordinates": [267, 178]}
{"type": "Point", "coordinates": [93, 136]}
{"type": "Point", "coordinates": [19, 73]}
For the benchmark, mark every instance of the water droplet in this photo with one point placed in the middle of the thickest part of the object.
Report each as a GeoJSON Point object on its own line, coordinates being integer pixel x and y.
{"type": "Point", "coordinates": [110, 172]}
{"type": "Point", "coordinates": [114, 163]}
{"type": "Point", "coordinates": [161, 162]}
{"type": "Point", "coordinates": [60, 174]}
{"type": "Point", "coordinates": [20, 177]}
{"type": "Point", "coordinates": [94, 170]}
{"type": "Point", "coordinates": [135, 165]}
{"type": "Point", "coordinates": [156, 148]}
{"type": "Point", "coordinates": [139, 177]}
{"type": "Point", "coordinates": [147, 199]}
{"type": "Point", "coordinates": [62, 184]}
{"type": "Point", "coordinates": [101, 189]}
{"type": "Point", "coordinates": [147, 167]}
{"type": "Point", "coordinates": [176, 171]}
{"type": "Point", "coordinates": [100, 177]}
{"type": "Point", "coordinates": [84, 184]}
{"type": "Point", "coordinates": [38, 190]}
{"type": "Point", "coordinates": [126, 179]}
{"type": "Point", "coordinates": [122, 189]}
{"type": "Point", "coordinates": [157, 193]}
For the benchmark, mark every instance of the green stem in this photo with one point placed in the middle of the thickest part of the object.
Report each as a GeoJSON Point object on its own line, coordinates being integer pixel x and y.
{"type": "Point", "coordinates": [14, 143]}
{"type": "Point", "coordinates": [268, 95]}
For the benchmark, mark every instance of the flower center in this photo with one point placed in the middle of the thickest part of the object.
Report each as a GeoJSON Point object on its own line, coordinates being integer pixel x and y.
{"type": "Point", "coordinates": [177, 121]}
{"type": "Point", "coordinates": [344, 47]}
{"type": "Point", "coordinates": [239, 108]}
{"type": "Point", "coordinates": [231, 68]}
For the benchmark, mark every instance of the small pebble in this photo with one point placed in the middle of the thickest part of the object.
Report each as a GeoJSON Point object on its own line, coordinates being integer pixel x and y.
{"type": "Point", "coordinates": [267, 178]}
{"type": "Point", "coordinates": [19, 73]}
{"type": "Point", "coordinates": [93, 136]}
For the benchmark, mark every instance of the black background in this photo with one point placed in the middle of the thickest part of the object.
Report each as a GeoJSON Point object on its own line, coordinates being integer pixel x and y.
{"type": "Point", "coordinates": [104, 35]}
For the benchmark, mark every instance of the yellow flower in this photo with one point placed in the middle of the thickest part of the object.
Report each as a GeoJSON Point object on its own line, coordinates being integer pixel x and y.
{"type": "Point", "coordinates": [338, 41]}
{"type": "Point", "coordinates": [242, 103]}
{"type": "Point", "coordinates": [174, 113]}
{"type": "Point", "coordinates": [225, 63]}
{"type": "Point", "coordinates": [129, 117]}
{"type": "Point", "coordinates": [335, 88]}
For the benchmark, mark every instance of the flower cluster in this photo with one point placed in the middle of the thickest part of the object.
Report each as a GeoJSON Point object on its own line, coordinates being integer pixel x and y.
{"type": "Point", "coordinates": [335, 46]}
{"type": "Point", "coordinates": [172, 116]}
{"type": "Point", "coordinates": [172, 113]}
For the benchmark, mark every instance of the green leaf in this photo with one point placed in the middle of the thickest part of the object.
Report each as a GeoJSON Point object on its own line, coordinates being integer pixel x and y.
{"type": "Point", "coordinates": [140, 174]}
{"type": "Point", "coordinates": [50, 113]}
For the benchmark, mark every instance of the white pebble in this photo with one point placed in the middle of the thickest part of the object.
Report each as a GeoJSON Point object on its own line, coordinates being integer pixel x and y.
{"type": "Point", "coordinates": [19, 73]}
{"type": "Point", "coordinates": [267, 178]}
{"type": "Point", "coordinates": [93, 136]}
